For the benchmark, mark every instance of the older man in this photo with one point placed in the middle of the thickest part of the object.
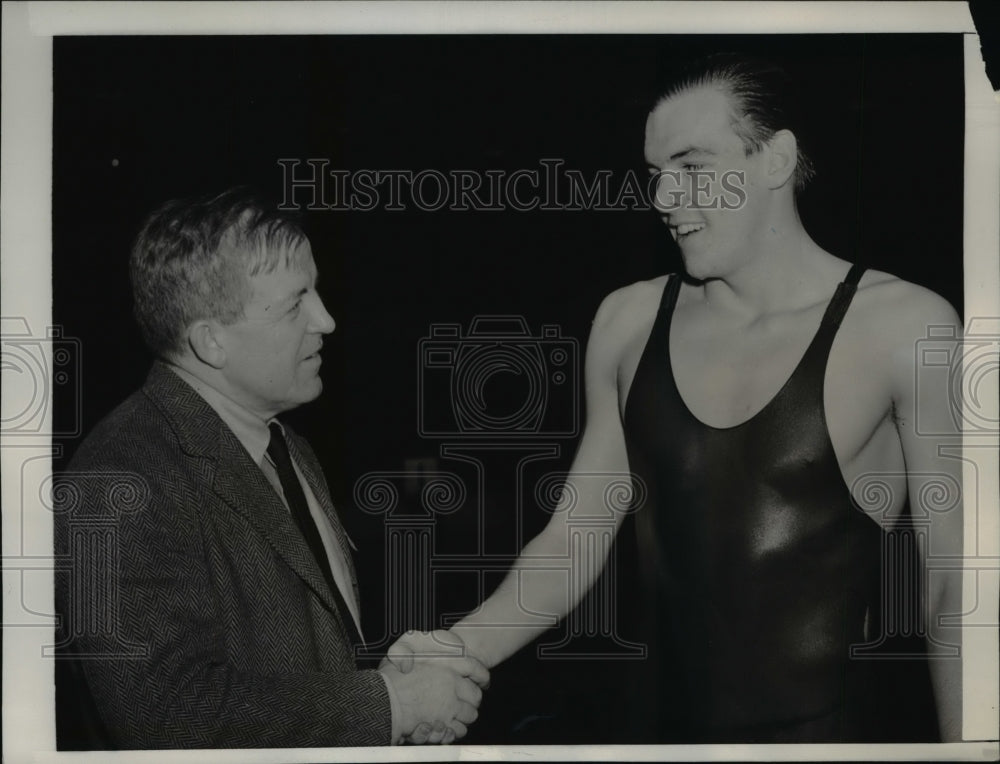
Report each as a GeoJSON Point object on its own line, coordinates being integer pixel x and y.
{"type": "Point", "coordinates": [224, 609]}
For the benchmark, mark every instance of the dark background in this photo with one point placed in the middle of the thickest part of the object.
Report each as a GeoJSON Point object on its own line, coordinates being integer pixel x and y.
{"type": "Point", "coordinates": [139, 120]}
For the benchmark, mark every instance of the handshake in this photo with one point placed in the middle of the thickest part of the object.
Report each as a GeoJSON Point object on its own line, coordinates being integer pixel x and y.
{"type": "Point", "coordinates": [436, 688]}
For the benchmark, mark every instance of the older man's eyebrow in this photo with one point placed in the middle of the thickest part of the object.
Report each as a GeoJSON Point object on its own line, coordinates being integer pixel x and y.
{"type": "Point", "coordinates": [290, 298]}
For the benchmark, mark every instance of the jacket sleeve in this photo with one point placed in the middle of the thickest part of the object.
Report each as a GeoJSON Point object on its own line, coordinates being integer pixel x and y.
{"type": "Point", "coordinates": [141, 617]}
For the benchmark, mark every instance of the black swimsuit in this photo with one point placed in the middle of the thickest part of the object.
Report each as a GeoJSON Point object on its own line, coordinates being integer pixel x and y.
{"type": "Point", "coordinates": [762, 570]}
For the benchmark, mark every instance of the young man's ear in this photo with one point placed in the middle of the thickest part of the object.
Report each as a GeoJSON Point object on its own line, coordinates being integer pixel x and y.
{"type": "Point", "coordinates": [783, 151]}
{"type": "Point", "coordinates": [204, 342]}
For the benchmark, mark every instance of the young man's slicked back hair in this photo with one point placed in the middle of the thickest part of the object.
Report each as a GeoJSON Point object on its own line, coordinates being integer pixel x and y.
{"type": "Point", "coordinates": [762, 98]}
{"type": "Point", "coordinates": [194, 258]}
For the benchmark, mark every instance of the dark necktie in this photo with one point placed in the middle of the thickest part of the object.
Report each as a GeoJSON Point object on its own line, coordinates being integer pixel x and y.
{"type": "Point", "coordinates": [295, 497]}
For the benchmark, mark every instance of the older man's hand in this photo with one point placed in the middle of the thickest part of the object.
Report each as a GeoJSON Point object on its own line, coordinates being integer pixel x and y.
{"type": "Point", "coordinates": [439, 649]}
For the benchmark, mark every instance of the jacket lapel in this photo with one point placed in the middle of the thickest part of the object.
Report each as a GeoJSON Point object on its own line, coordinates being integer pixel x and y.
{"type": "Point", "coordinates": [241, 484]}
{"type": "Point", "coordinates": [237, 480]}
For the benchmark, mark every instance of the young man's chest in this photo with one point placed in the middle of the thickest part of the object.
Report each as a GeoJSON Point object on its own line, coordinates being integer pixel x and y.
{"type": "Point", "coordinates": [727, 373]}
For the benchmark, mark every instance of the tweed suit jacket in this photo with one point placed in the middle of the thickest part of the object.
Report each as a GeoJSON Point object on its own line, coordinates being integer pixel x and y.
{"type": "Point", "coordinates": [191, 606]}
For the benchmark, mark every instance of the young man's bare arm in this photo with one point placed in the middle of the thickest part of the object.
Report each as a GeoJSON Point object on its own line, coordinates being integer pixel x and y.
{"type": "Point", "coordinates": [537, 591]}
{"type": "Point", "coordinates": [925, 409]}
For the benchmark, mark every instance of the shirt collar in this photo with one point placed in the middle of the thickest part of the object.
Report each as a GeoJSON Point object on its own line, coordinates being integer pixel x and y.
{"type": "Point", "coordinates": [250, 430]}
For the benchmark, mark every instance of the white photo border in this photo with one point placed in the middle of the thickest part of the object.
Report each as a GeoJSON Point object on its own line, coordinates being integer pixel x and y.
{"type": "Point", "coordinates": [28, 30]}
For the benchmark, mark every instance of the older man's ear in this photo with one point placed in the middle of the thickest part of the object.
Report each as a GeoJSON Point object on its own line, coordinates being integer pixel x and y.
{"type": "Point", "coordinates": [204, 344]}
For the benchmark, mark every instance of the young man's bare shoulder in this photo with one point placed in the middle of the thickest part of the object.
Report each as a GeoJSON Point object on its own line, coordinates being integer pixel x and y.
{"type": "Point", "coordinates": [898, 310]}
{"type": "Point", "coordinates": [630, 306]}
{"type": "Point", "coordinates": [622, 323]}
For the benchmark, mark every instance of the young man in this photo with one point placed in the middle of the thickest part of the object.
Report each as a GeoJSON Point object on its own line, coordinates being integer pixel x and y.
{"type": "Point", "coordinates": [754, 398]}
{"type": "Point", "coordinates": [211, 598]}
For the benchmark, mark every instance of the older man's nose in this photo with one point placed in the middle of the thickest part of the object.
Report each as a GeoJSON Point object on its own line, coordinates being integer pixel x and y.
{"type": "Point", "coordinates": [320, 320]}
